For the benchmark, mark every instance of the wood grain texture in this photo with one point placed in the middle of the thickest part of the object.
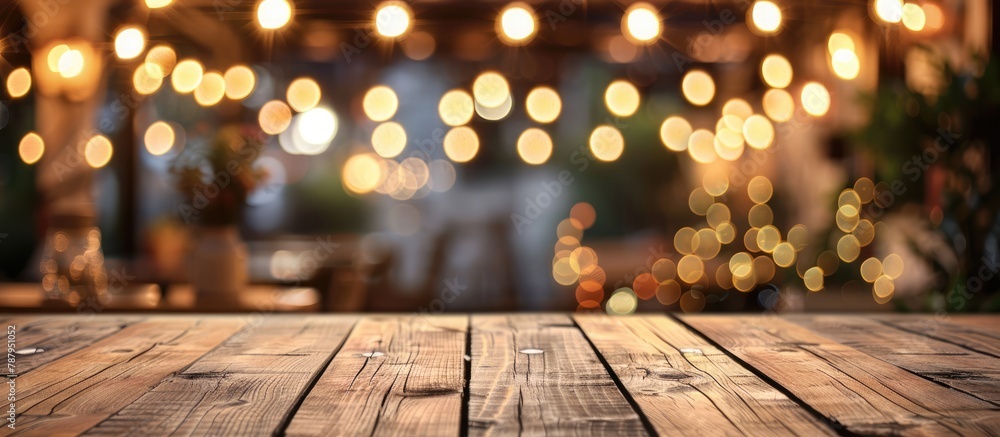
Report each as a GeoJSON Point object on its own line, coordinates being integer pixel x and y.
{"type": "Point", "coordinates": [59, 335]}
{"type": "Point", "coordinates": [862, 393]}
{"type": "Point", "coordinates": [247, 386]}
{"type": "Point", "coordinates": [970, 332]}
{"type": "Point", "coordinates": [395, 375]}
{"type": "Point", "coordinates": [685, 385]}
{"type": "Point", "coordinates": [78, 391]}
{"type": "Point", "coordinates": [970, 372]}
{"type": "Point", "coordinates": [564, 390]}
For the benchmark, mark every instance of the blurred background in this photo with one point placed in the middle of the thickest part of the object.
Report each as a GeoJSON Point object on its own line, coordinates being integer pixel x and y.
{"type": "Point", "coordinates": [436, 156]}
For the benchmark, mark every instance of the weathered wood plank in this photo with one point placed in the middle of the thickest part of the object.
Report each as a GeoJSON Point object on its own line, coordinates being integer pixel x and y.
{"type": "Point", "coordinates": [685, 385]}
{"type": "Point", "coordinates": [395, 375]}
{"type": "Point", "coordinates": [47, 338]}
{"type": "Point", "coordinates": [973, 373]}
{"type": "Point", "coordinates": [864, 394]}
{"type": "Point", "coordinates": [71, 395]}
{"type": "Point", "coordinates": [965, 331]}
{"type": "Point", "coordinates": [246, 387]}
{"type": "Point", "coordinates": [563, 390]}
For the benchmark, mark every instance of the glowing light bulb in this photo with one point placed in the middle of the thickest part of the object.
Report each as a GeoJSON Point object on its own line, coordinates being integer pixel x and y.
{"type": "Point", "coordinates": [766, 16]}
{"type": "Point", "coordinates": [274, 14]}
{"type": "Point", "coordinates": [392, 19]}
{"type": "Point", "coordinates": [129, 43]}
{"type": "Point", "coordinates": [517, 24]}
{"type": "Point", "coordinates": [641, 24]}
{"type": "Point", "coordinates": [156, 4]}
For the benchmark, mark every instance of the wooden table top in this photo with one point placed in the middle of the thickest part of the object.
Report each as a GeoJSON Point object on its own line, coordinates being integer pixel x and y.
{"type": "Point", "coordinates": [534, 374]}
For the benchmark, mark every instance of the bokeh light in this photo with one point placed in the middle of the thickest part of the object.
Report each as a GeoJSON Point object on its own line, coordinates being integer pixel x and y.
{"type": "Point", "coordinates": [274, 117]}
{"type": "Point", "coordinates": [70, 63]}
{"type": "Point", "coordinates": [31, 148]}
{"type": "Point", "coordinates": [456, 108]}
{"type": "Point", "coordinates": [622, 302]}
{"type": "Point", "coordinates": [759, 189]}
{"type": "Point", "coordinates": [543, 104]}
{"type": "Point", "coordinates": [490, 89]}
{"type": "Point", "coordinates": [913, 17]}
{"type": "Point", "coordinates": [389, 139]}
{"type": "Point", "coordinates": [698, 87]}
{"type": "Point", "coordinates": [674, 132]}
{"type": "Point", "coordinates": [813, 279]}
{"type": "Point", "coordinates": [98, 151]}
{"type": "Point", "coordinates": [534, 146]}
{"type": "Point", "coordinates": [392, 19]}
{"type": "Point", "coordinates": [159, 138]}
{"type": "Point", "coordinates": [606, 143]}
{"type": "Point", "coordinates": [162, 56]}
{"type": "Point", "coordinates": [758, 132]}
{"type": "Point", "coordinates": [129, 43]}
{"type": "Point", "coordinates": [776, 71]}
{"type": "Point", "coordinates": [641, 23]}
{"type": "Point", "coordinates": [778, 105]}
{"type": "Point", "coordinates": [845, 64]}
{"type": "Point", "coordinates": [303, 94]}
{"type": "Point", "coordinates": [461, 144]}
{"type": "Point", "coordinates": [187, 76]}
{"type": "Point", "coordinates": [517, 24]}
{"type": "Point", "coordinates": [240, 81]}
{"type": "Point", "coordinates": [273, 14]}
{"type": "Point", "coordinates": [765, 16]}
{"type": "Point", "coordinates": [701, 146]}
{"type": "Point", "coordinates": [211, 89]}
{"type": "Point", "coordinates": [362, 173]}
{"type": "Point", "coordinates": [622, 98]}
{"type": "Point", "coordinates": [815, 99]}
{"type": "Point", "coordinates": [380, 103]}
{"type": "Point", "coordinates": [317, 127]}
{"type": "Point", "coordinates": [889, 11]}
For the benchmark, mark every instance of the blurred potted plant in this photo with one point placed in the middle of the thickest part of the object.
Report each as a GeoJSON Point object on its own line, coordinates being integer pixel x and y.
{"type": "Point", "coordinates": [214, 181]}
